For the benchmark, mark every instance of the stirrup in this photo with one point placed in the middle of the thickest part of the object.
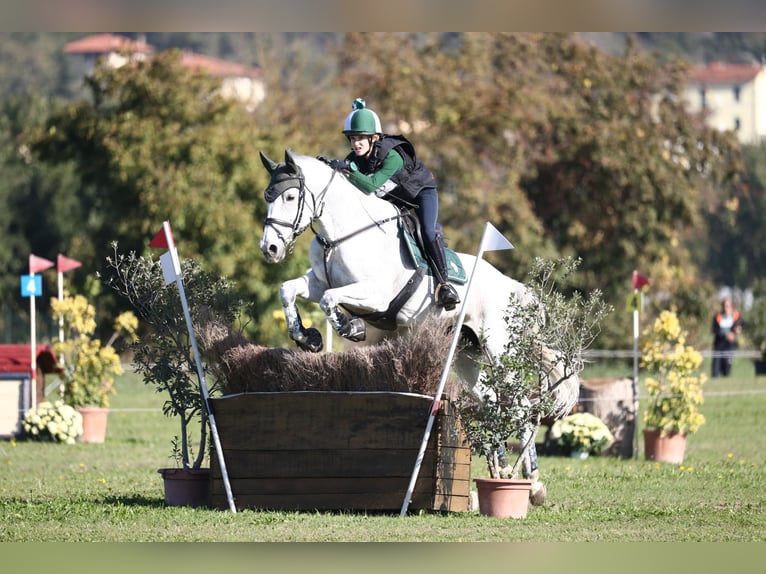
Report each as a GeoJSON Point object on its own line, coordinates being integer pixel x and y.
{"type": "Point", "coordinates": [446, 296]}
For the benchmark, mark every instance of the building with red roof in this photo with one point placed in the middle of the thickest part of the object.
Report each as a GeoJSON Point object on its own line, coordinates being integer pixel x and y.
{"type": "Point", "coordinates": [732, 97]}
{"type": "Point", "coordinates": [238, 81]}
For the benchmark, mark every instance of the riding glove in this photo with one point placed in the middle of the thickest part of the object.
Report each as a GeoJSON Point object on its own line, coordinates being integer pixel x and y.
{"type": "Point", "coordinates": [339, 164]}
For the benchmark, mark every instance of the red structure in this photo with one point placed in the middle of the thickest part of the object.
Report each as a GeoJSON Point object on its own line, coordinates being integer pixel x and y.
{"type": "Point", "coordinates": [15, 382]}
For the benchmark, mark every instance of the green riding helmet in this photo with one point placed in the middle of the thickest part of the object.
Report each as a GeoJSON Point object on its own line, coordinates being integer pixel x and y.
{"type": "Point", "coordinates": [362, 121]}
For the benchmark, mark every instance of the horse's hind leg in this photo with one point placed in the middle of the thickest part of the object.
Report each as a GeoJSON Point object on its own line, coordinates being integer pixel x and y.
{"type": "Point", "coordinates": [529, 466]}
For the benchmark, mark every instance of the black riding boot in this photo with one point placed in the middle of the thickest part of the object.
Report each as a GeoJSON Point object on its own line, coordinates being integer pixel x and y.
{"type": "Point", "coordinates": [444, 293]}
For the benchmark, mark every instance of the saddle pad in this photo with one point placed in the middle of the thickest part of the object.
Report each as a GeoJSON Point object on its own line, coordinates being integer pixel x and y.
{"type": "Point", "coordinates": [455, 271]}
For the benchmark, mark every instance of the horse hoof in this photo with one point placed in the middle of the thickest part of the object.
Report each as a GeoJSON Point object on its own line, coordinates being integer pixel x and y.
{"type": "Point", "coordinates": [538, 494]}
{"type": "Point", "coordinates": [354, 330]}
{"type": "Point", "coordinates": [313, 342]}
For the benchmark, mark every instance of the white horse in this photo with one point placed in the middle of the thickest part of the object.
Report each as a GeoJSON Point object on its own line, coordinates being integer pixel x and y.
{"type": "Point", "coordinates": [360, 271]}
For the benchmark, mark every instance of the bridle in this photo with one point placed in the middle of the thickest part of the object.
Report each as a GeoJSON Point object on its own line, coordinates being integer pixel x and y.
{"type": "Point", "coordinates": [280, 183]}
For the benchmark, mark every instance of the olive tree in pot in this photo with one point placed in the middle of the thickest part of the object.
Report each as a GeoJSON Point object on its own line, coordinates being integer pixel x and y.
{"type": "Point", "coordinates": [164, 355]}
{"type": "Point", "coordinates": [537, 374]}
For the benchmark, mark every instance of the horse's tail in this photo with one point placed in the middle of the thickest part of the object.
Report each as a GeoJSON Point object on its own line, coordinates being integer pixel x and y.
{"type": "Point", "coordinates": [564, 380]}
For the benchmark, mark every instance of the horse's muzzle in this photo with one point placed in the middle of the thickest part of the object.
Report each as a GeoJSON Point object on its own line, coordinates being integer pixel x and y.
{"type": "Point", "coordinates": [272, 252]}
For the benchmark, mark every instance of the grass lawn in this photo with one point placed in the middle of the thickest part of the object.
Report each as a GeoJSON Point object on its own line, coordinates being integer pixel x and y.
{"type": "Point", "coordinates": [112, 492]}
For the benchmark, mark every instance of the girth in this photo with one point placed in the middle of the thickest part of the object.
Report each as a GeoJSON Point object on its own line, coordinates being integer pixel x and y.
{"type": "Point", "coordinates": [386, 320]}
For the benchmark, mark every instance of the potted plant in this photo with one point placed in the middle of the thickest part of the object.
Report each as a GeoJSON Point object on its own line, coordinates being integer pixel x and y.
{"type": "Point", "coordinates": [755, 325]}
{"type": "Point", "coordinates": [674, 389]}
{"type": "Point", "coordinates": [580, 435]}
{"type": "Point", "coordinates": [548, 327]}
{"type": "Point", "coordinates": [86, 366]}
{"type": "Point", "coordinates": [164, 355]}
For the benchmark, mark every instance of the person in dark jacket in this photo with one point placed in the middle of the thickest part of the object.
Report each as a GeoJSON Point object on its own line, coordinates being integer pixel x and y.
{"type": "Point", "coordinates": [727, 324]}
{"type": "Point", "coordinates": [387, 166]}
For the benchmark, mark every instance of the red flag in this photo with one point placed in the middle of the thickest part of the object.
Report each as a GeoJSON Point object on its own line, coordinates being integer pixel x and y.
{"type": "Point", "coordinates": [161, 238]}
{"type": "Point", "coordinates": [639, 280]}
{"type": "Point", "coordinates": [37, 264]}
{"type": "Point", "coordinates": [64, 264]}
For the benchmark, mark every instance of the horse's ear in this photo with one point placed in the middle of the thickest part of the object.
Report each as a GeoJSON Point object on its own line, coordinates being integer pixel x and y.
{"type": "Point", "coordinates": [267, 163]}
{"type": "Point", "coordinates": [289, 157]}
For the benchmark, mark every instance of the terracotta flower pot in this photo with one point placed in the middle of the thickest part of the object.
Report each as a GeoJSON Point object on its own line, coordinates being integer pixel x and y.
{"type": "Point", "coordinates": [94, 421]}
{"type": "Point", "coordinates": [503, 497]}
{"type": "Point", "coordinates": [668, 448]}
{"type": "Point", "coordinates": [186, 486]}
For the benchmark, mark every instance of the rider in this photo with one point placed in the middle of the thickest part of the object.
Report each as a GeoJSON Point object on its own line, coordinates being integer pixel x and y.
{"type": "Point", "coordinates": [386, 165]}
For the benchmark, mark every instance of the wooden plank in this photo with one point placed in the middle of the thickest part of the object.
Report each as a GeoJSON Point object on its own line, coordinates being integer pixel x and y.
{"type": "Point", "coordinates": [349, 485]}
{"type": "Point", "coordinates": [326, 462]}
{"type": "Point", "coordinates": [339, 451]}
{"type": "Point", "coordinates": [450, 432]}
{"type": "Point", "coordinates": [290, 465]}
{"type": "Point", "coordinates": [321, 420]}
{"type": "Point", "coordinates": [450, 503]}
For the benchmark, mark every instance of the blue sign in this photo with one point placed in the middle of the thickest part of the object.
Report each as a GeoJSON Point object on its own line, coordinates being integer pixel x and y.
{"type": "Point", "coordinates": [31, 285]}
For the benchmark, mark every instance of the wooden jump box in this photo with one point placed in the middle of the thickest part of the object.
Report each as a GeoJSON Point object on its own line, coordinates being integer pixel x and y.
{"type": "Point", "coordinates": [332, 450]}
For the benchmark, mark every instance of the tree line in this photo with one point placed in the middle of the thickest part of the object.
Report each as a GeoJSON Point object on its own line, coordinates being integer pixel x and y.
{"type": "Point", "coordinates": [567, 148]}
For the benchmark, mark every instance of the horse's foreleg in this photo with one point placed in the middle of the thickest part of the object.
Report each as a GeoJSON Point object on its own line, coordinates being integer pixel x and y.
{"type": "Point", "coordinates": [359, 295]}
{"type": "Point", "coordinates": [307, 339]}
{"type": "Point", "coordinates": [351, 328]}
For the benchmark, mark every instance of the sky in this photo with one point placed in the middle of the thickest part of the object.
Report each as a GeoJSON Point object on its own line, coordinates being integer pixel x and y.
{"type": "Point", "coordinates": [392, 15]}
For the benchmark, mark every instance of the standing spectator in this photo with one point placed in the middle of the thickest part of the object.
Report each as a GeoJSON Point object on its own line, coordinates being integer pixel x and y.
{"type": "Point", "coordinates": [727, 324]}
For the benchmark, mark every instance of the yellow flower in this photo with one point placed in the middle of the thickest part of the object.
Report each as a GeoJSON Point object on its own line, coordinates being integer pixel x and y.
{"type": "Point", "coordinates": [673, 386]}
{"type": "Point", "coordinates": [88, 366]}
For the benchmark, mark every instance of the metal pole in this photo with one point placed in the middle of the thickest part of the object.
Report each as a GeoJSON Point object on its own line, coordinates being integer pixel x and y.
{"type": "Point", "coordinates": [200, 370]}
{"type": "Point", "coordinates": [635, 381]}
{"type": "Point", "coordinates": [33, 345]}
{"type": "Point", "coordinates": [61, 298]}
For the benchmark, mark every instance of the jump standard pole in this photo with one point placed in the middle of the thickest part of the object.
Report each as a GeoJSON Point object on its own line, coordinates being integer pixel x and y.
{"type": "Point", "coordinates": [636, 304]}
{"type": "Point", "coordinates": [492, 240]}
{"type": "Point", "coordinates": [171, 269]}
{"type": "Point", "coordinates": [36, 265]}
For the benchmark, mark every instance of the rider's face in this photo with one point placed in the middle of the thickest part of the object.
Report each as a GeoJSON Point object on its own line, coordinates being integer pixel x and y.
{"type": "Point", "coordinates": [361, 145]}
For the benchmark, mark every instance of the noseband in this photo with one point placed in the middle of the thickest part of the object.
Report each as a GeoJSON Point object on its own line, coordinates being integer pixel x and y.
{"type": "Point", "coordinates": [281, 181]}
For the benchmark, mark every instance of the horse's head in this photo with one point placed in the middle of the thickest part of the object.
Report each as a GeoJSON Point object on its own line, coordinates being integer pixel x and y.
{"type": "Point", "coordinates": [288, 213]}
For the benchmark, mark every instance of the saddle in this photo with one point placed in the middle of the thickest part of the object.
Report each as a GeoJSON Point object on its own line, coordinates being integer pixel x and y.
{"type": "Point", "coordinates": [409, 228]}
{"type": "Point", "coordinates": [409, 225]}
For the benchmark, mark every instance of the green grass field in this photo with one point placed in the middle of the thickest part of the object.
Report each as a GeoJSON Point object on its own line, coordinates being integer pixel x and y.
{"type": "Point", "coordinates": [111, 492]}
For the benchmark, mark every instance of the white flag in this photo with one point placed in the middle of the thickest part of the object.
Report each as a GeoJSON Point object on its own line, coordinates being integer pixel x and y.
{"type": "Point", "coordinates": [493, 240]}
{"type": "Point", "coordinates": [169, 272]}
